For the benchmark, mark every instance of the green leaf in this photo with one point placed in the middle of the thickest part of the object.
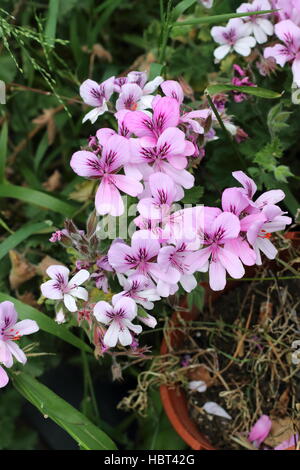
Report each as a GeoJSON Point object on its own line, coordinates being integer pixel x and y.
{"type": "Point", "coordinates": [45, 323]}
{"type": "Point", "coordinates": [250, 90]}
{"type": "Point", "coordinates": [3, 150]}
{"type": "Point", "coordinates": [20, 235]}
{"type": "Point", "coordinates": [37, 198]}
{"type": "Point", "coordinates": [50, 30]}
{"type": "Point", "coordinates": [282, 172]}
{"type": "Point", "coordinates": [181, 8]}
{"type": "Point", "coordinates": [85, 433]}
{"type": "Point", "coordinates": [193, 195]}
{"type": "Point", "coordinates": [219, 18]}
{"type": "Point", "coordinates": [155, 70]}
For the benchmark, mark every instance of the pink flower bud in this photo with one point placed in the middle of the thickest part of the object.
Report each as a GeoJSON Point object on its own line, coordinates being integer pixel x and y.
{"type": "Point", "coordinates": [260, 430]}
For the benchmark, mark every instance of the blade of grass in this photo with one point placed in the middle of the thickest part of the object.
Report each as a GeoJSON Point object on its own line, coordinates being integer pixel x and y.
{"type": "Point", "coordinates": [3, 150]}
{"type": "Point", "coordinates": [22, 234]}
{"type": "Point", "coordinates": [45, 323]}
{"type": "Point", "coordinates": [50, 29]}
{"type": "Point", "coordinates": [219, 18]}
{"type": "Point", "coordinates": [250, 90]}
{"type": "Point", "coordinates": [86, 434]}
{"type": "Point", "coordinates": [37, 198]}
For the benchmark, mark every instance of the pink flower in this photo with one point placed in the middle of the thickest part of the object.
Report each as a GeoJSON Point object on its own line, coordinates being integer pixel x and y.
{"type": "Point", "coordinates": [59, 287]}
{"type": "Point", "coordinates": [139, 256]}
{"type": "Point", "coordinates": [163, 192]}
{"type": "Point", "coordinates": [114, 154]}
{"type": "Point", "coordinates": [165, 114]}
{"type": "Point", "coordinates": [233, 37]}
{"type": "Point", "coordinates": [241, 80]}
{"type": "Point", "coordinates": [140, 288]}
{"type": "Point", "coordinates": [258, 25]}
{"type": "Point", "coordinates": [288, 10]}
{"type": "Point", "coordinates": [260, 430]}
{"type": "Point", "coordinates": [119, 317]}
{"type": "Point", "coordinates": [219, 228]}
{"type": "Point", "coordinates": [3, 378]}
{"type": "Point", "coordinates": [10, 332]}
{"type": "Point", "coordinates": [96, 95]}
{"type": "Point", "coordinates": [289, 51]}
{"type": "Point", "coordinates": [135, 94]}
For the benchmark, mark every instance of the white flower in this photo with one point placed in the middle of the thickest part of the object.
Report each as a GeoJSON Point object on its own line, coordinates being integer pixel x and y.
{"type": "Point", "coordinates": [233, 37]}
{"type": "Point", "coordinates": [61, 288]}
{"type": "Point", "coordinates": [258, 25]}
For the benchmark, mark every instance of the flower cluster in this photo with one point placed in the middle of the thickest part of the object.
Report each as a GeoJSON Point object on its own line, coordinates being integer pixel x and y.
{"type": "Point", "coordinates": [10, 332]}
{"type": "Point", "coordinates": [241, 35]}
{"type": "Point", "coordinates": [149, 157]}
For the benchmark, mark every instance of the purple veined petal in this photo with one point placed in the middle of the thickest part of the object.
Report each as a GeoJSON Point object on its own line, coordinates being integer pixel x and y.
{"type": "Point", "coordinates": [70, 303]}
{"type": "Point", "coordinates": [108, 200]}
{"type": "Point", "coordinates": [8, 314]}
{"type": "Point", "coordinates": [103, 312]}
{"type": "Point", "coordinates": [128, 185]}
{"type": "Point", "coordinates": [226, 226]}
{"type": "Point", "coordinates": [115, 153]}
{"type": "Point", "coordinates": [231, 263]}
{"type": "Point", "coordinates": [140, 78]}
{"type": "Point", "coordinates": [127, 306]}
{"type": "Point", "coordinates": [3, 378]}
{"type": "Point", "coordinates": [5, 354]}
{"type": "Point", "coordinates": [173, 140]}
{"type": "Point", "coordinates": [188, 282]}
{"type": "Point", "coordinates": [121, 257]}
{"type": "Point", "coordinates": [173, 89]}
{"type": "Point", "coordinates": [91, 93]}
{"type": "Point", "coordinates": [57, 271]}
{"type": "Point", "coordinates": [79, 293]}
{"type": "Point", "coordinates": [139, 123]}
{"type": "Point", "coordinates": [17, 352]}
{"type": "Point", "coordinates": [129, 97]}
{"type": "Point", "coordinates": [143, 243]}
{"type": "Point", "coordinates": [165, 114]}
{"type": "Point", "coordinates": [217, 275]}
{"type": "Point", "coordinates": [200, 260]}
{"type": "Point", "coordinates": [104, 134]}
{"type": "Point", "coordinates": [86, 164]}
{"type": "Point", "coordinates": [151, 86]}
{"type": "Point", "coordinates": [125, 337]}
{"type": "Point", "coordinates": [217, 33]}
{"type": "Point", "coordinates": [112, 334]}
{"type": "Point", "coordinates": [234, 201]}
{"type": "Point", "coordinates": [270, 197]}
{"type": "Point", "coordinates": [26, 327]}
{"type": "Point", "coordinates": [243, 46]}
{"type": "Point", "coordinates": [222, 51]}
{"type": "Point", "coordinates": [79, 278]}
{"type": "Point", "coordinates": [247, 183]}
{"type": "Point", "coordinates": [95, 113]}
{"type": "Point", "coordinates": [288, 32]}
{"type": "Point", "coordinates": [162, 188]}
{"type": "Point", "coordinates": [238, 25]}
{"type": "Point", "coordinates": [50, 290]}
{"type": "Point", "coordinates": [267, 247]}
{"type": "Point", "coordinates": [278, 52]}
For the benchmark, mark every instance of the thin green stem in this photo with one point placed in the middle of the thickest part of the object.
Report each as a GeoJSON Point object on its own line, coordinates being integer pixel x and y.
{"type": "Point", "coordinates": [89, 387]}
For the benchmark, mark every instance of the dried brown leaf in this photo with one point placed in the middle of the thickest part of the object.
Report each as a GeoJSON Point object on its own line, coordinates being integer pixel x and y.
{"type": "Point", "coordinates": [21, 270]}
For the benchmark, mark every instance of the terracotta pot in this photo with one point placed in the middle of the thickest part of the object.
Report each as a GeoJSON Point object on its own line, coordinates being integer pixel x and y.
{"type": "Point", "coordinates": [174, 398]}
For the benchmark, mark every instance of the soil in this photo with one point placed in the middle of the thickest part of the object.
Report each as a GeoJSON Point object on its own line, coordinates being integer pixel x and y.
{"type": "Point", "coordinates": [245, 342]}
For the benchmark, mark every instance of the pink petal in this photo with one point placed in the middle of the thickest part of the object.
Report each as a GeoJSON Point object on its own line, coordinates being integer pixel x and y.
{"type": "Point", "coordinates": [128, 185]}
{"type": "Point", "coordinates": [233, 200]}
{"type": "Point", "coordinates": [118, 256]}
{"type": "Point", "coordinates": [129, 96]}
{"type": "Point", "coordinates": [57, 271]}
{"type": "Point", "coordinates": [126, 305]}
{"type": "Point", "coordinates": [172, 89]}
{"type": "Point", "coordinates": [86, 164]}
{"type": "Point", "coordinates": [90, 92]}
{"type": "Point", "coordinates": [115, 153]}
{"type": "Point", "coordinates": [260, 430]}
{"type": "Point", "coordinates": [270, 197]}
{"type": "Point", "coordinates": [104, 134]}
{"type": "Point", "coordinates": [217, 276]}
{"type": "Point", "coordinates": [17, 352]}
{"type": "Point", "coordinates": [247, 183]}
{"type": "Point", "coordinates": [174, 140]}
{"type": "Point", "coordinates": [162, 188]}
{"type": "Point", "coordinates": [166, 113]}
{"type": "Point", "coordinates": [287, 30]}
{"type": "Point", "coordinates": [231, 263]}
{"type": "Point", "coordinates": [139, 123]}
{"type": "Point", "coordinates": [26, 327]}
{"type": "Point", "coordinates": [5, 354]}
{"type": "Point", "coordinates": [108, 200]}
{"type": "Point", "coordinates": [8, 314]}
{"type": "Point", "coordinates": [227, 224]}
{"type": "Point", "coordinates": [3, 378]}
